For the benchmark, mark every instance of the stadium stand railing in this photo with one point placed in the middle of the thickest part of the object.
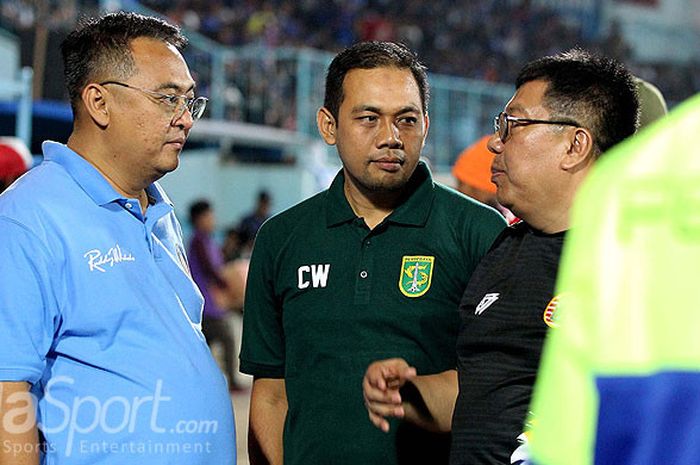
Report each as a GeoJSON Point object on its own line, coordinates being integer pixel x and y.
{"type": "Point", "coordinates": [283, 88]}
{"type": "Point", "coordinates": [585, 13]}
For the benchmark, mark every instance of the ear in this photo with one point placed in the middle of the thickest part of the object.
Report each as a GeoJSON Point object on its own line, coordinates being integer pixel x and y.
{"type": "Point", "coordinates": [96, 103]}
{"type": "Point", "coordinates": [326, 125]}
{"type": "Point", "coordinates": [581, 150]}
{"type": "Point", "coordinates": [426, 122]}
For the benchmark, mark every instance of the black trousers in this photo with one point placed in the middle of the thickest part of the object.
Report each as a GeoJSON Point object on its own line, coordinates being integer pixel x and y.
{"type": "Point", "coordinates": [219, 330]}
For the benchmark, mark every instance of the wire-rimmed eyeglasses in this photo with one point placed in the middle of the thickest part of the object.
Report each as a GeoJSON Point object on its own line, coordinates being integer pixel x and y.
{"type": "Point", "coordinates": [178, 103]}
{"type": "Point", "coordinates": [502, 122]}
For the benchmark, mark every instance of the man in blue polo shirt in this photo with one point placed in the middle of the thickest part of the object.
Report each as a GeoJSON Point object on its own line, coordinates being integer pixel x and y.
{"type": "Point", "coordinates": [101, 321]}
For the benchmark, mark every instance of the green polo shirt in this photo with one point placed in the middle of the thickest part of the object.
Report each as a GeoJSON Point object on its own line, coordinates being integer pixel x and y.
{"type": "Point", "coordinates": [326, 296]}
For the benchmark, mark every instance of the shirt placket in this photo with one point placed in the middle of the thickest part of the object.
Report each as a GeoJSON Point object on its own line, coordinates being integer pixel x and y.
{"type": "Point", "coordinates": [364, 274]}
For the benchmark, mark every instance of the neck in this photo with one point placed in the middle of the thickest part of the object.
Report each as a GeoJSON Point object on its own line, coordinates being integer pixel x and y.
{"type": "Point", "coordinates": [553, 221]}
{"type": "Point", "coordinates": [551, 214]}
{"type": "Point", "coordinates": [374, 207]}
{"type": "Point", "coordinates": [107, 164]}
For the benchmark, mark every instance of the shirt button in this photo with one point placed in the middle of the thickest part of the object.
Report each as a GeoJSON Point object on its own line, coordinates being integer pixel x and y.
{"type": "Point", "coordinates": [128, 205]}
{"type": "Point", "coordinates": [363, 274]}
{"type": "Point", "coordinates": [368, 242]}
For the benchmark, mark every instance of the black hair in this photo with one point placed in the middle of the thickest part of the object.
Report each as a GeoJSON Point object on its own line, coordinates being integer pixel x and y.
{"type": "Point", "coordinates": [197, 209]}
{"type": "Point", "coordinates": [595, 91]}
{"type": "Point", "coordinates": [99, 48]}
{"type": "Point", "coordinates": [370, 55]}
{"type": "Point", "coordinates": [263, 196]}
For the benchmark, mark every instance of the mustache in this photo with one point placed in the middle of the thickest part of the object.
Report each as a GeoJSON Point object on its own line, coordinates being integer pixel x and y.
{"type": "Point", "coordinates": [391, 156]}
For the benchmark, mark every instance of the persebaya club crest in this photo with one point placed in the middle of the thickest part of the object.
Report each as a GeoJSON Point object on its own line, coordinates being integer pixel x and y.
{"type": "Point", "coordinates": [416, 275]}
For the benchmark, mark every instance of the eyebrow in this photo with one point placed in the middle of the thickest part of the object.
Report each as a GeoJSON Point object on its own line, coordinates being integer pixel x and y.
{"type": "Point", "coordinates": [515, 108]}
{"type": "Point", "coordinates": [373, 109]}
{"type": "Point", "coordinates": [176, 87]}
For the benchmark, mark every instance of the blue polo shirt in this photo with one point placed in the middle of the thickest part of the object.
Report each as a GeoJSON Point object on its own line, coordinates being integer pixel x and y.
{"type": "Point", "coordinates": [99, 313]}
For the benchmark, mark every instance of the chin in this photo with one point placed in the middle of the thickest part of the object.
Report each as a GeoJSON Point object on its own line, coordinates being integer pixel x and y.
{"type": "Point", "coordinates": [387, 186]}
{"type": "Point", "coordinates": [160, 171]}
{"type": "Point", "coordinates": [504, 201]}
{"type": "Point", "coordinates": [169, 163]}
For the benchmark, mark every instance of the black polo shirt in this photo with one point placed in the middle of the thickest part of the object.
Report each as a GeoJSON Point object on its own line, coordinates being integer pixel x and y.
{"type": "Point", "coordinates": [505, 313]}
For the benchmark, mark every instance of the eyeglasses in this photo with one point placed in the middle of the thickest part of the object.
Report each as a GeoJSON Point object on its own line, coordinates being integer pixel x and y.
{"type": "Point", "coordinates": [177, 103]}
{"type": "Point", "coordinates": [501, 123]}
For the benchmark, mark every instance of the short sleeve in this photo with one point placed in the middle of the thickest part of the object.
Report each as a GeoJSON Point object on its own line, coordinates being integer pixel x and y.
{"type": "Point", "coordinates": [28, 308]}
{"type": "Point", "coordinates": [481, 230]}
{"type": "Point", "coordinates": [262, 345]}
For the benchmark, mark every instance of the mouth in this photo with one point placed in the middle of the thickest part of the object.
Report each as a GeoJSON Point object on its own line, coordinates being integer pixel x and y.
{"type": "Point", "coordinates": [178, 142]}
{"type": "Point", "coordinates": [495, 174]}
{"type": "Point", "coordinates": [389, 163]}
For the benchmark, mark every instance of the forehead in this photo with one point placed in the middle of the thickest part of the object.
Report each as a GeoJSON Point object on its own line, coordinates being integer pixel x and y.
{"type": "Point", "coordinates": [381, 87]}
{"type": "Point", "coordinates": [529, 99]}
{"type": "Point", "coordinates": [158, 62]}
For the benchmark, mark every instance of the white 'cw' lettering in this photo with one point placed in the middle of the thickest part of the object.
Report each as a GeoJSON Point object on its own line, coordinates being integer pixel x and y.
{"type": "Point", "coordinates": [319, 276]}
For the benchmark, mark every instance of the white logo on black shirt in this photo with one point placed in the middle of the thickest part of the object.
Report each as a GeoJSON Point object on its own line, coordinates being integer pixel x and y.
{"type": "Point", "coordinates": [486, 302]}
{"type": "Point", "coordinates": [318, 275]}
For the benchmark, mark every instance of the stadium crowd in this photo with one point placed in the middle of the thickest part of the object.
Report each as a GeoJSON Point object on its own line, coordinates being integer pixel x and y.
{"type": "Point", "coordinates": [480, 39]}
{"type": "Point", "coordinates": [494, 38]}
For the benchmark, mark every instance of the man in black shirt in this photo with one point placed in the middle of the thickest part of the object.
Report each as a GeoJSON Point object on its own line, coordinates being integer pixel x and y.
{"type": "Point", "coordinates": [567, 110]}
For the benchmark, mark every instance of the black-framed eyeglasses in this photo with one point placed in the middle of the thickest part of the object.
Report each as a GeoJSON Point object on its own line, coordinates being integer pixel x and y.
{"type": "Point", "coordinates": [502, 122]}
{"type": "Point", "coordinates": [178, 103]}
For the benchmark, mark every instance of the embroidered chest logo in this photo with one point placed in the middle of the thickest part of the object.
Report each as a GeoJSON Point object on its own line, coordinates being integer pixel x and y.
{"type": "Point", "coordinates": [486, 302]}
{"type": "Point", "coordinates": [313, 275]}
{"type": "Point", "coordinates": [550, 316]}
{"type": "Point", "coordinates": [98, 261]}
{"type": "Point", "coordinates": [416, 275]}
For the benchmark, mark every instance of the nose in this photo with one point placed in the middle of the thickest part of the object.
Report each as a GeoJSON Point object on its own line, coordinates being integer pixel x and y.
{"type": "Point", "coordinates": [495, 144]}
{"type": "Point", "coordinates": [389, 135]}
{"type": "Point", "coordinates": [185, 120]}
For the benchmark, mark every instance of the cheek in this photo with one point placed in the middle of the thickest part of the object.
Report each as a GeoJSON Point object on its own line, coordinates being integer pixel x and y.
{"type": "Point", "coordinates": [152, 132]}
{"type": "Point", "coordinates": [528, 173]}
{"type": "Point", "coordinates": [152, 122]}
{"type": "Point", "coordinates": [413, 136]}
{"type": "Point", "coordinates": [352, 148]}
{"type": "Point", "coordinates": [517, 172]}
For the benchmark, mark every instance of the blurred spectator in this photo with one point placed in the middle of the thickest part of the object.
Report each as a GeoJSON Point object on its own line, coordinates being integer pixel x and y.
{"type": "Point", "coordinates": [473, 174]}
{"type": "Point", "coordinates": [54, 15]}
{"type": "Point", "coordinates": [232, 246]}
{"type": "Point", "coordinates": [652, 104]}
{"type": "Point", "coordinates": [15, 160]}
{"type": "Point", "coordinates": [252, 222]}
{"type": "Point", "coordinates": [614, 43]}
{"type": "Point", "coordinates": [206, 266]}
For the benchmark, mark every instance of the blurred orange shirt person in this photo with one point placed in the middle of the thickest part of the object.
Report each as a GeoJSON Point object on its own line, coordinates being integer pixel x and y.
{"type": "Point", "coordinates": [472, 170]}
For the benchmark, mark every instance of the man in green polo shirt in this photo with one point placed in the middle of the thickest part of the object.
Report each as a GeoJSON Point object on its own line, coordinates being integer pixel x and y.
{"type": "Point", "coordinates": [372, 268]}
